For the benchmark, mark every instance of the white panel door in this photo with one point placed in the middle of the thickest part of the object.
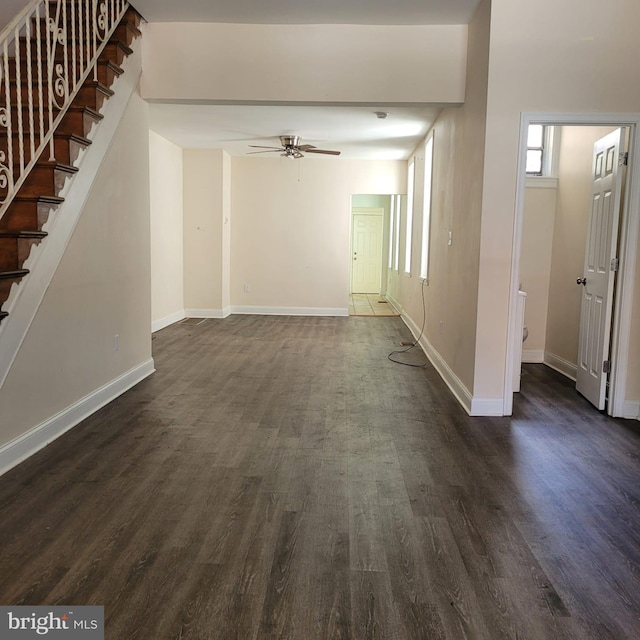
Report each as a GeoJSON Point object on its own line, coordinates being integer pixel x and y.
{"type": "Point", "coordinates": [366, 248]}
{"type": "Point", "coordinates": [597, 281]}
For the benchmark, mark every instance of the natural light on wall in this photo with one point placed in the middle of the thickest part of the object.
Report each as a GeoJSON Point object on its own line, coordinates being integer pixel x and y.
{"type": "Point", "coordinates": [392, 235]}
{"type": "Point", "coordinates": [409, 228]}
{"type": "Point", "coordinates": [426, 210]}
{"type": "Point", "coordinates": [396, 236]}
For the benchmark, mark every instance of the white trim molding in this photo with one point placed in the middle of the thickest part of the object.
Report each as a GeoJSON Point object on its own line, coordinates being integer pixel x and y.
{"type": "Point", "coordinates": [532, 355]}
{"type": "Point", "coordinates": [395, 304]}
{"type": "Point", "coordinates": [172, 318]}
{"type": "Point", "coordinates": [559, 364]}
{"type": "Point", "coordinates": [631, 410]}
{"type": "Point", "coordinates": [486, 407]}
{"type": "Point", "coordinates": [541, 182]}
{"type": "Point", "coordinates": [207, 313]}
{"type": "Point", "coordinates": [290, 311]}
{"type": "Point", "coordinates": [19, 449]}
{"type": "Point", "coordinates": [456, 386]}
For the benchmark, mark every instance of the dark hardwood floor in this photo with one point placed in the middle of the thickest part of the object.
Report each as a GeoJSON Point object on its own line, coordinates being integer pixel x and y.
{"type": "Point", "coordinates": [280, 478]}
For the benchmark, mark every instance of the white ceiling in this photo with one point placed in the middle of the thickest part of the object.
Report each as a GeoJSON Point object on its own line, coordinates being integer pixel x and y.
{"type": "Point", "coordinates": [354, 131]}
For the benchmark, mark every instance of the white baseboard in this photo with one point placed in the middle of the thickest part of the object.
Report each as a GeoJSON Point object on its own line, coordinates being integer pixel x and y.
{"type": "Point", "coordinates": [452, 381]}
{"type": "Point", "coordinates": [560, 365]}
{"type": "Point", "coordinates": [533, 355]}
{"type": "Point", "coordinates": [487, 407]}
{"type": "Point", "coordinates": [290, 311]}
{"type": "Point", "coordinates": [156, 325]}
{"type": "Point", "coordinates": [207, 313]}
{"type": "Point", "coordinates": [394, 303]}
{"type": "Point", "coordinates": [631, 410]}
{"type": "Point", "coordinates": [19, 449]}
{"type": "Point", "coordinates": [473, 406]}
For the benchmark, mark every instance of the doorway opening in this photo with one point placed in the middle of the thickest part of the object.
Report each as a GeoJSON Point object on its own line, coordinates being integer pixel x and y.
{"type": "Point", "coordinates": [552, 236]}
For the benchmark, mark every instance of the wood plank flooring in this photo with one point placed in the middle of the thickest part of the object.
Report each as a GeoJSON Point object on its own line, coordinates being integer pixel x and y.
{"type": "Point", "coordinates": [280, 478]}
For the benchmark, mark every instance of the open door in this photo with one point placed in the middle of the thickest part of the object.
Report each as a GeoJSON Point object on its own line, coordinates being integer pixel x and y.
{"type": "Point", "coordinates": [600, 266]}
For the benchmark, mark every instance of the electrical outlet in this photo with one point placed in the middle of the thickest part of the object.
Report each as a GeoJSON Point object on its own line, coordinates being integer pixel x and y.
{"type": "Point", "coordinates": [450, 240]}
{"type": "Point", "coordinates": [247, 288]}
{"type": "Point", "coordinates": [116, 342]}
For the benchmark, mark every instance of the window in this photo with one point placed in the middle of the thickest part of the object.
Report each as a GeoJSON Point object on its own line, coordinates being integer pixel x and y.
{"type": "Point", "coordinates": [409, 228]}
{"type": "Point", "coordinates": [535, 149]}
{"type": "Point", "coordinates": [426, 208]}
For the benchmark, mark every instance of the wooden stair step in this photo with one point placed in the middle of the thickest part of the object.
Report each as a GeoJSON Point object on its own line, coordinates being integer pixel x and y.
{"type": "Point", "coordinates": [117, 51]}
{"type": "Point", "coordinates": [127, 32]}
{"type": "Point", "coordinates": [7, 279]}
{"type": "Point", "coordinates": [91, 94]}
{"type": "Point", "coordinates": [29, 212]}
{"type": "Point", "coordinates": [107, 71]}
{"type": "Point", "coordinates": [15, 247]}
{"type": "Point", "coordinates": [67, 148]}
{"type": "Point", "coordinates": [47, 178]}
{"type": "Point", "coordinates": [23, 234]}
{"type": "Point", "coordinates": [79, 120]}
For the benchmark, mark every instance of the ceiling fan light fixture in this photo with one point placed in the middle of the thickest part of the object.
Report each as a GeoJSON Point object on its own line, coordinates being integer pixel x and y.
{"type": "Point", "coordinates": [291, 148]}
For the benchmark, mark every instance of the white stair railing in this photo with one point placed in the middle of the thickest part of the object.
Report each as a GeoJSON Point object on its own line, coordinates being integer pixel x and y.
{"type": "Point", "coordinates": [46, 53]}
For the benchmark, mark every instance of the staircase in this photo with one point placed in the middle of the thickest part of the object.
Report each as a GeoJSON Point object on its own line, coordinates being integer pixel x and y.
{"type": "Point", "coordinates": [58, 60]}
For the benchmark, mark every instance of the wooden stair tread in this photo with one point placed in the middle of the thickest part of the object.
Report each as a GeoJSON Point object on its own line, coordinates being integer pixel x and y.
{"type": "Point", "coordinates": [15, 273]}
{"type": "Point", "coordinates": [23, 234]}
{"type": "Point", "coordinates": [44, 199]}
{"type": "Point", "coordinates": [57, 166]}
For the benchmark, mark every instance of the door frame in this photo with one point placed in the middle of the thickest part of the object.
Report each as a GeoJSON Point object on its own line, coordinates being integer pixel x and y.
{"type": "Point", "coordinates": [628, 252]}
{"type": "Point", "coordinates": [376, 211]}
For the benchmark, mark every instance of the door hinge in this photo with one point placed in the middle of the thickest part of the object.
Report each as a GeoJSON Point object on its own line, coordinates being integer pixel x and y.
{"type": "Point", "coordinates": [606, 366]}
{"type": "Point", "coordinates": [615, 264]}
{"type": "Point", "coordinates": [624, 159]}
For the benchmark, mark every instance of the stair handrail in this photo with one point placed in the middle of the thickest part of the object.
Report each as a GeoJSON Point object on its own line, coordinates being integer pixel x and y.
{"type": "Point", "coordinates": [52, 45]}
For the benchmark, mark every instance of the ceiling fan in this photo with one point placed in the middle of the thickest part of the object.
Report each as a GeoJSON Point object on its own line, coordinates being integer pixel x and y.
{"type": "Point", "coordinates": [291, 148]}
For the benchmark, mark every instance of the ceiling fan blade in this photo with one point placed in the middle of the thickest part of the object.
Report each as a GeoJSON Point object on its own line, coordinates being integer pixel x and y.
{"type": "Point", "coordinates": [258, 146]}
{"type": "Point", "coordinates": [325, 151]}
{"type": "Point", "coordinates": [305, 147]}
{"type": "Point", "coordinates": [267, 151]}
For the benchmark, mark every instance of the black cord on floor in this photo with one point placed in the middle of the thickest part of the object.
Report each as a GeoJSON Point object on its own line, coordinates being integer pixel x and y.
{"type": "Point", "coordinates": [416, 341]}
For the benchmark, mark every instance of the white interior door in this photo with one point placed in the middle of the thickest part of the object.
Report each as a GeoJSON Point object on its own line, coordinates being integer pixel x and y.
{"type": "Point", "coordinates": [597, 281]}
{"type": "Point", "coordinates": [366, 250]}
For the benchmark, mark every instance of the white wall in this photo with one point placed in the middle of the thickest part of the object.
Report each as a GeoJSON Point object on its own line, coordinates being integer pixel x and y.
{"type": "Point", "coordinates": [166, 201]}
{"type": "Point", "coordinates": [206, 232]}
{"type": "Point", "coordinates": [291, 224]}
{"type": "Point", "coordinates": [101, 289]}
{"type": "Point", "coordinates": [568, 57]}
{"type": "Point", "coordinates": [535, 266]}
{"type": "Point", "coordinates": [451, 296]}
{"type": "Point", "coordinates": [289, 63]}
